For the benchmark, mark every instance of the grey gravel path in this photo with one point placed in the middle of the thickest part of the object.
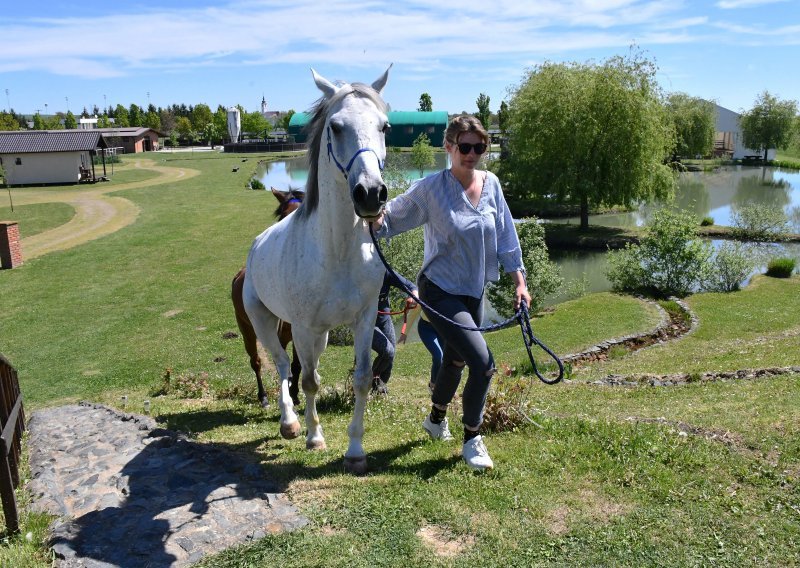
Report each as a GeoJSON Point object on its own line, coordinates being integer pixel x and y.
{"type": "Point", "coordinates": [131, 494]}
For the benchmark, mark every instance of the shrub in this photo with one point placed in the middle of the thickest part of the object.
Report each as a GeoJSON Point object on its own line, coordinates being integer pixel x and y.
{"type": "Point", "coordinates": [706, 221]}
{"type": "Point", "coordinates": [256, 184]}
{"type": "Point", "coordinates": [781, 267]}
{"type": "Point", "coordinates": [669, 260]}
{"type": "Point", "coordinates": [758, 222]}
{"type": "Point", "coordinates": [543, 275]}
{"type": "Point", "coordinates": [730, 266]}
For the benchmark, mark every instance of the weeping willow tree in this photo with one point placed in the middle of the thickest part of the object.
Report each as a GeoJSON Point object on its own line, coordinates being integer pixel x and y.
{"type": "Point", "coordinates": [589, 134]}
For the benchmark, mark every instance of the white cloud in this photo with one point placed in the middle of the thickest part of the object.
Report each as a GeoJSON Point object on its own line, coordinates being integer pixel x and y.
{"type": "Point", "coordinates": [734, 4]}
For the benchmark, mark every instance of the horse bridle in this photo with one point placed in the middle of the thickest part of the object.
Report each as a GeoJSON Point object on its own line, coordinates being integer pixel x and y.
{"type": "Point", "coordinates": [346, 169]}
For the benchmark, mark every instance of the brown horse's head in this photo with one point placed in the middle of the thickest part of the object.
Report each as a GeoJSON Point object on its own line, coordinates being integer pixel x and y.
{"type": "Point", "coordinates": [288, 201]}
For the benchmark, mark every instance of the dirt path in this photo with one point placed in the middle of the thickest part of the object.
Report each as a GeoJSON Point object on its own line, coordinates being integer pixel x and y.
{"type": "Point", "coordinates": [97, 213]}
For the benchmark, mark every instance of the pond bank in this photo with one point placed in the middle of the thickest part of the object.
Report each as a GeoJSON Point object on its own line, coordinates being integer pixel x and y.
{"type": "Point", "coordinates": [562, 236]}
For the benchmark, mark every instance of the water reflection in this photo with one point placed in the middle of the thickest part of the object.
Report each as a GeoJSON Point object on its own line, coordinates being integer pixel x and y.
{"type": "Point", "coordinates": [715, 194]}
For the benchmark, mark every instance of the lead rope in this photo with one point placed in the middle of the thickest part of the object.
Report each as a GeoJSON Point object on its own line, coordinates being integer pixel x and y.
{"type": "Point", "coordinates": [521, 316]}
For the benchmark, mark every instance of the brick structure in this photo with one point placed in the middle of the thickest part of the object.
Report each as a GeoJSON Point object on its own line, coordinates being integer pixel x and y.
{"type": "Point", "coordinates": [10, 246]}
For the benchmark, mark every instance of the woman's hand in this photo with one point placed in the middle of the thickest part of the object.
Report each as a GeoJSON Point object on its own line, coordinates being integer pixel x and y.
{"type": "Point", "coordinates": [377, 222]}
{"type": "Point", "coordinates": [402, 338]}
{"type": "Point", "coordinates": [521, 291]}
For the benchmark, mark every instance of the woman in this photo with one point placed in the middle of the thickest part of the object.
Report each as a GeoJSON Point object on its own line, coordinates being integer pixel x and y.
{"type": "Point", "coordinates": [468, 231]}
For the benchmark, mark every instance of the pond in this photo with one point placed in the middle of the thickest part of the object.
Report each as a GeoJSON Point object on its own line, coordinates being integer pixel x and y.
{"type": "Point", "coordinates": [705, 194]}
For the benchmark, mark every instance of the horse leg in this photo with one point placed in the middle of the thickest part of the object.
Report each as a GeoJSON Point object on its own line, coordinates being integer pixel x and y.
{"type": "Point", "coordinates": [248, 333]}
{"type": "Point", "coordinates": [355, 459]}
{"type": "Point", "coordinates": [285, 334]}
{"type": "Point", "coordinates": [266, 325]}
{"type": "Point", "coordinates": [310, 347]}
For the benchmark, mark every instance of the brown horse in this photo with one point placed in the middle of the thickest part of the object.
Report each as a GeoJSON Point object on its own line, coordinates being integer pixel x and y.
{"type": "Point", "coordinates": [288, 201]}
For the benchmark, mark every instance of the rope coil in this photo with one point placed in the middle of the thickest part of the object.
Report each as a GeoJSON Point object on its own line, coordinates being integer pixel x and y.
{"type": "Point", "coordinates": [521, 316]}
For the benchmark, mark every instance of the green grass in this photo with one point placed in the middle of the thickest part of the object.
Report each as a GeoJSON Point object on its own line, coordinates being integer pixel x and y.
{"type": "Point", "coordinates": [597, 481]}
{"type": "Point", "coordinates": [37, 218]}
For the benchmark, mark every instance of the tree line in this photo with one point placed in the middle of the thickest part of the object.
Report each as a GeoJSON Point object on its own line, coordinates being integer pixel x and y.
{"type": "Point", "coordinates": [177, 122]}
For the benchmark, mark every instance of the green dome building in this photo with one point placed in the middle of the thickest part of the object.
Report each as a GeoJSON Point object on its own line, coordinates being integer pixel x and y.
{"type": "Point", "coordinates": [406, 127]}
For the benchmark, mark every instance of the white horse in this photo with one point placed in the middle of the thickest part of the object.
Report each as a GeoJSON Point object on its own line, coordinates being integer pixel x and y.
{"type": "Point", "coordinates": [317, 268]}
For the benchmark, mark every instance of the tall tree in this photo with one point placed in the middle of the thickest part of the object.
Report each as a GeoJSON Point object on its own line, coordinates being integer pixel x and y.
{"type": "Point", "coordinates": [589, 134]}
{"type": "Point", "coordinates": [121, 117]}
{"type": "Point", "coordinates": [201, 116]}
{"type": "Point", "coordinates": [70, 121]}
{"type": "Point", "coordinates": [135, 115]}
{"type": "Point", "coordinates": [286, 119]}
{"type": "Point", "coordinates": [769, 123]}
{"type": "Point", "coordinates": [502, 117]}
{"type": "Point", "coordinates": [8, 122]}
{"type": "Point", "coordinates": [484, 114]}
{"type": "Point", "coordinates": [425, 103]}
{"type": "Point", "coordinates": [254, 123]}
{"type": "Point", "coordinates": [152, 120]}
{"type": "Point", "coordinates": [422, 153]}
{"type": "Point", "coordinates": [694, 121]}
{"type": "Point", "coordinates": [183, 126]}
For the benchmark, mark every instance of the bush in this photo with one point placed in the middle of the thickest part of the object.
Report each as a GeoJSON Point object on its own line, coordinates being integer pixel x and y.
{"type": "Point", "coordinates": [780, 267]}
{"type": "Point", "coordinates": [731, 265]}
{"type": "Point", "coordinates": [758, 222]}
{"type": "Point", "coordinates": [706, 221]}
{"type": "Point", "coordinates": [543, 276]}
{"type": "Point", "coordinates": [257, 184]}
{"type": "Point", "coordinates": [669, 260]}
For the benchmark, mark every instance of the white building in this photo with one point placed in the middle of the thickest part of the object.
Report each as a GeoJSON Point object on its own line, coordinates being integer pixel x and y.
{"type": "Point", "coordinates": [50, 156]}
{"type": "Point", "coordinates": [729, 140]}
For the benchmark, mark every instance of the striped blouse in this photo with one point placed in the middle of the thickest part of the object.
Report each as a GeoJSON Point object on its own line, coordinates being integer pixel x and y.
{"type": "Point", "coordinates": [463, 244]}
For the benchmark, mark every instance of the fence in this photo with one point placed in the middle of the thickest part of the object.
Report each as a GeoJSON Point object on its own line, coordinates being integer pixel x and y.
{"type": "Point", "coordinates": [12, 424]}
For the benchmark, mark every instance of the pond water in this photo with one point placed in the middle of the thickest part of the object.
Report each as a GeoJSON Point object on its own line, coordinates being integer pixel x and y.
{"type": "Point", "coordinates": [705, 194]}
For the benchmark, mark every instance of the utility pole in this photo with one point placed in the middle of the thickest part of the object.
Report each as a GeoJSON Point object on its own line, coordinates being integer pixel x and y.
{"type": "Point", "coordinates": [8, 101]}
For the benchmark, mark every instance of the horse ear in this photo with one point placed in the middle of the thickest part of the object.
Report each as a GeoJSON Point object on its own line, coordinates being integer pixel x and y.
{"type": "Point", "coordinates": [327, 88]}
{"type": "Point", "coordinates": [280, 195]}
{"type": "Point", "coordinates": [380, 83]}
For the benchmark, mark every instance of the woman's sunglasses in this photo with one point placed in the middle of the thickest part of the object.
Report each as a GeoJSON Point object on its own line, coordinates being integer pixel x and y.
{"type": "Point", "coordinates": [465, 147]}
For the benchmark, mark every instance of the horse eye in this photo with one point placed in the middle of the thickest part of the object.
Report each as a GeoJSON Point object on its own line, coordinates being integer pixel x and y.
{"type": "Point", "coordinates": [336, 127]}
{"type": "Point", "coordinates": [387, 128]}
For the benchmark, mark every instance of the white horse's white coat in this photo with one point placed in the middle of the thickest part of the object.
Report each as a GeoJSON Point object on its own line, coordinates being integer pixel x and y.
{"type": "Point", "coordinates": [318, 268]}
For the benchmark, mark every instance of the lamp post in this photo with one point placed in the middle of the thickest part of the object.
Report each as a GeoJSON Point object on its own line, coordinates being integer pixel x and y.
{"type": "Point", "coordinates": [8, 101]}
{"type": "Point", "coordinates": [67, 99]}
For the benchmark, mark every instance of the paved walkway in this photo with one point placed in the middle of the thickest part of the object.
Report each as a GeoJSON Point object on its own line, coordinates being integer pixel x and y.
{"type": "Point", "coordinates": [131, 494]}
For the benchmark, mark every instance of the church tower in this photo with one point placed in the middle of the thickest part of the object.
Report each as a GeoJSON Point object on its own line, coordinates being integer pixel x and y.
{"type": "Point", "coordinates": [263, 106]}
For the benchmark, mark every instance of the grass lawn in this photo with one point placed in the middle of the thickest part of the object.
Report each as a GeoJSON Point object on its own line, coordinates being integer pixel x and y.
{"type": "Point", "coordinates": [601, 476]}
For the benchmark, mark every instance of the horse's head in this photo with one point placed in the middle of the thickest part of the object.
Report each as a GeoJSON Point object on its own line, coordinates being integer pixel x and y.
{"type": "Point", "coordinates": [288, 201]}
{"type": "Point", "coordinates": [352, 135]}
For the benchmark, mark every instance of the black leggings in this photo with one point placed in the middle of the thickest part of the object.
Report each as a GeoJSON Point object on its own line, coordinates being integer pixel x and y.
{"type": "Point", "coordinates": [460, 346]}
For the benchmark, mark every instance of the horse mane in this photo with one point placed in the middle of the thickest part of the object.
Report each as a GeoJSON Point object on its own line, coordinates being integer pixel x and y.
{"type": "Point", "coordinates": [315, 130]}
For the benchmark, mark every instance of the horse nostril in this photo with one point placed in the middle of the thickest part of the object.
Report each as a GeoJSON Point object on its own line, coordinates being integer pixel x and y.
{"type": "Point", "coordinates": [359, 194]}
{"type": "Point", "coordinates": [383, 194]}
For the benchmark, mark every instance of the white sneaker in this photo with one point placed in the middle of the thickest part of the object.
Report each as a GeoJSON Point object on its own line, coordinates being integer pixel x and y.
{"type": "Point", "coordinates": [437, 431]}
{"type": "Point", "coordinates": [476, 455]}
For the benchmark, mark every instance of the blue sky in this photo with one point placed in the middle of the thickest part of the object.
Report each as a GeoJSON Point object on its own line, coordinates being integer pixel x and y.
{"type": "Point", "coordinates": [69, 54]}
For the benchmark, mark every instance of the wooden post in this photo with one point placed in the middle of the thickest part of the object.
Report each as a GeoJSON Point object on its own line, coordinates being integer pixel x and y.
{"type": "Point", "coordinates": [12, 425]}
{"type": "Point", "coordinates": [10, 246]}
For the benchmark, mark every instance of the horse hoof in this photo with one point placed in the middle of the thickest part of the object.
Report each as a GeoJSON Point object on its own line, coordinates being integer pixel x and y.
{"type": "Point", "coordinates": [316, 444]}
{"type": "Point", "coordinates": [290, 431]}
{"type": "Point", "coordinates": [356, 466]}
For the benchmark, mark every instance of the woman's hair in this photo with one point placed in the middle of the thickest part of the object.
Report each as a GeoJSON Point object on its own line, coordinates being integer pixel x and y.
{"type": "Point", "coordinates": [465, 123]}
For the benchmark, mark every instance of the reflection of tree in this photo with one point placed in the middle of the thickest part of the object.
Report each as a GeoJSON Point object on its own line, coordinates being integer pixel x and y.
{"type": "Point", "coordinates": [692, 196]}
{"type": "Point", "coordinates": [768, 193]}
{"type": "Point", "coordinates": [794, 218]}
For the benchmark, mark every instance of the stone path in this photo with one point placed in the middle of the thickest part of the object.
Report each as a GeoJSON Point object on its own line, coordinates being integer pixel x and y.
{"type": "Point", "coordinates": [131, 494]}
